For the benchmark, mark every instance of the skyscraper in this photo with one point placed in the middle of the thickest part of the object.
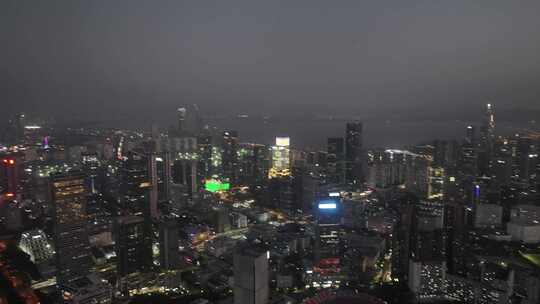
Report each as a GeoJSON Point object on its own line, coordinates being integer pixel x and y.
{"type": "Point", "coordinates": [470, 135]}
{"type": "Point", "coordinates": [336, 160]}
{"type": "Point", "coordinates": [163, 163]}
{"type": "Point", "coordinates": [229, 156]}
{"type": "Point", "coordinates": [133, 245]}
{"type": "Point", "coordinates": [487, 139]}
{"type": "Point", "coordinates": [281, 158]}
{"type": "Point", "coordinates": [251, 277]}
{"type": "Point", "coordinates": [168, 244]}
{"type": "Point", "coordinates": [9, 176]}
{"type": "Point", "coordinates": [353, 153]}
{"type": "Point", "coordinates": [329, 213]}
{"type": "Point", "coordinates": [69, 194]}
{"type": "Point", "coordinates": [136, 174]}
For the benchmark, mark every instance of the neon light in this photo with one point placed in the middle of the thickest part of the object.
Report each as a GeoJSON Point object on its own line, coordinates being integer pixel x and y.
{"type": "Point", "coordinates": [477, 191]}
{"type": "Point", "coordinates": [333, 194]}
{"type": "Point", "coordinates": [213, 185]}
{"type": "Point", "coordinates": [327, 206]}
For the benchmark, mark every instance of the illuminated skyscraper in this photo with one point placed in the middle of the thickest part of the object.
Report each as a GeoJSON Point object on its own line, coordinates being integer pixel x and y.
{"type": "Point", "coordinates": [353, 153]}
{"type": "Point", "coordinates": [181, 117]}
{"type": "Point", "coordinates": [138, 171]}
{"type": "Point", "coordinates": [470, 135]}
{"type": "Point", "coordinates": [329, 217]}
{"type": "Point", "coordinates": [487, 139]}
{"type": "Point", "coordinates": [9, 176]}
{"type": "Point", "coordinates": [427, 259]}
{"type": "Point", "coordinates": [69, 195]}
{"type": "Point", "coordinates": [163, 164]}
{"type": "Point", "coordinates": [281, 158]}
{"type": "Point", "coordinates": [229, 156]}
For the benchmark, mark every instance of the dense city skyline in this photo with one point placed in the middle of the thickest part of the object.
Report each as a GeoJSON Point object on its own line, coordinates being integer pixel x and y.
{"type": "Point", "coordinates": [281, 152]}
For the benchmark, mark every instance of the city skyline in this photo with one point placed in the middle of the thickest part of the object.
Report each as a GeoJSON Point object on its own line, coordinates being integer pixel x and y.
{"type": "Point", "coordinates": [278, 152]}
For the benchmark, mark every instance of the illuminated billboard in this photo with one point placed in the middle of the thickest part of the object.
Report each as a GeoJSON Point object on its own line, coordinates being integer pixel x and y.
{"type": "Point", "coordinates": [213, 185]}
{"type": "Point", "coordinates": [327, 206]}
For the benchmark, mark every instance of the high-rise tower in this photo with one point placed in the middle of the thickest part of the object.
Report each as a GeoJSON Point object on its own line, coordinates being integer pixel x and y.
{"type": "Point", "coordinates": [69, 195]}
{"type": "Point", "coordinates": [353, 153]}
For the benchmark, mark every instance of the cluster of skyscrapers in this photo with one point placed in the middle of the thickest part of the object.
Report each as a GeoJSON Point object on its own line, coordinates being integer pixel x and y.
{"type": "Point", "coordinates": [192, 211]}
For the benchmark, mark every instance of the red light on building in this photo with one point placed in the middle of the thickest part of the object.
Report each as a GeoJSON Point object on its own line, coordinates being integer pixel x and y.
{"type": "Point", "coordinates": [9, 194]}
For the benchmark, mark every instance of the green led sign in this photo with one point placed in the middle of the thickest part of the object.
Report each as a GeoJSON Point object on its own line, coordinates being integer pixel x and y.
{"type": "Point", "coordinates": [213, 185]}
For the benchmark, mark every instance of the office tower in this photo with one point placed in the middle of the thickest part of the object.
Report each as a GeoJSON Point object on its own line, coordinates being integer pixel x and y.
{"type": "Point", "coordinates": [387, 168]}
{"type": "Point", "coordinates": [306, 186]}
{"type": "Point", "coordinates": [470, 135]}
{"type": "Point", "coordinates": [416, 174]}
{"type": "Point", "coordinates": [229, 157]}
{"type": "Point", "coordinates": [185, 159]}
{"type": "Point", "coordinates": [488, 126]}
{"type": "Point", "coordinates": [354, 153]}
{"type": "Point", "coordinates": [436, 178]}
{"type": "Point", "coordinates": [181, 119]}
{"type": "Point", "coordinates": [204, 151]}
{"type": "Point", "coordinates": [526, 155]}
{"type": "Point", "coordinates": [189, 121]}
{"type": "Point", "coordinates": [336, 160]}
{"type": "Point", "coordinates": [281, 195]}
{"type": "Point", "coordinates": [168, 244]}
{"type": "Point", "coordinates": [251, 276]}
{"type": "Point", "coordinates": [329, 215]}
{"type": "Point", "coordinates": [220, 220]}
{"type": "Point", "coordinates": [456, 229]}
{"type": "Point", "coordinates": [487, 139]}
{"type": "Point", "coordinates": [427, 264]}
{"type": "Point", "coordinates": [281, 158]}
{"type": "Point", "coordinates": [91, 165]}
{"type": "Point", "coordinates": [69, 194]}
{"type": "Point", "coordinates": [154, 180]}
{"type": "Point", "coordinates": [10, 181]}
{"type": "Point", "coordinates": [136, 173]}
{"type": "Point", "coordinates": [468, 161]}
{"type": "Point", "coordinates": [252, 164]}
{"type": "Point", "coordinates": [502, 170]}
{"type": "Point", "coordinates": [133, 245]}
{"type": "Point", "coordinates": [164, 177]}
{"type": "Point", "coordinates": [184, 172]}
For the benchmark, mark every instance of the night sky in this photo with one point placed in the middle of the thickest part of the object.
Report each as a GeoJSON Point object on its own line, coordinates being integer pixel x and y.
{"type": "Point", "coordinates": [136, 58]}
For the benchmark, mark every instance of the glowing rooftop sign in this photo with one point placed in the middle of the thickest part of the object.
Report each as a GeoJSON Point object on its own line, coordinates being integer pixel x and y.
{"type": "Point", "coordinates": [213, 185]}
{"type": "Point", "coordinates": [327, 206]}
{"type": "Point", "coordinates": [283, 141]}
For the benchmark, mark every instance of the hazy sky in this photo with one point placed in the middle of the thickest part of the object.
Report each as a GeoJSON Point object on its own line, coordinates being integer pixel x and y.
{"type": "Point", "coordinates": [355, 56]}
